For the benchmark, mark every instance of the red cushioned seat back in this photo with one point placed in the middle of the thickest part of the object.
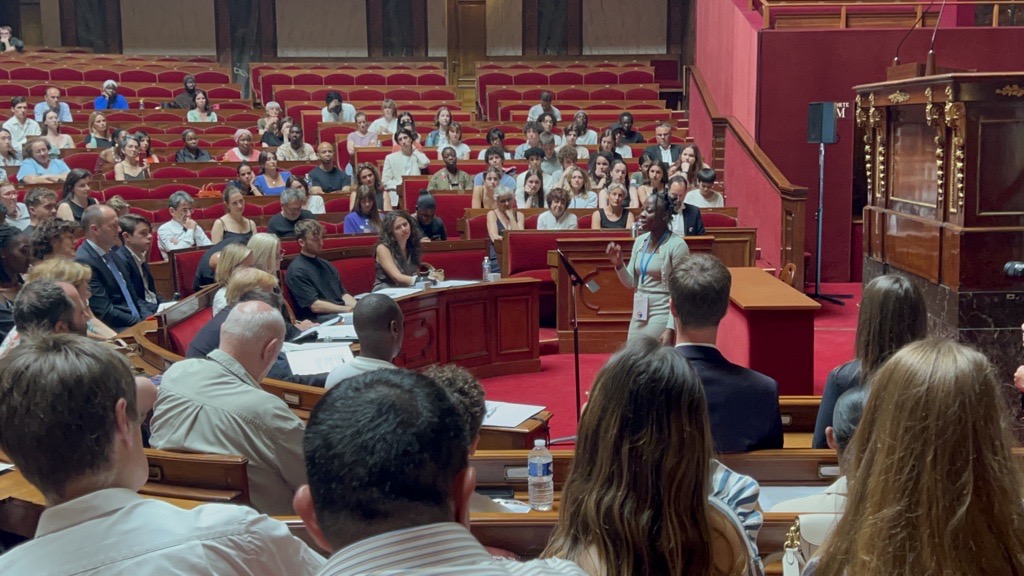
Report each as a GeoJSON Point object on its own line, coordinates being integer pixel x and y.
{"type": "Point", "coordinates": [185, 263]}
{"type": "Point", "coordinates": [182, 333]}
{"type": "Point", "coordinates": [457, 264]}
{"type": "Point", "coordinates": [450, 208]}
{"type": "Point", "coordinates": [357, 274]}
{"type": "Point", "coordinates": [715, 220]}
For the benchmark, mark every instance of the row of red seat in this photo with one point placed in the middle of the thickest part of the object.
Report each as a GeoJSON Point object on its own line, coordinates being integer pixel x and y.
{"type": "Point", "coordinates": [11, 88]}
{"type": "Point", "coordinates": [176, 74]}
{"type": "Point", "coordinates": [277, 78]}
{"type": "Point", "coordinates": [535, 77]}
{"type": "Point", "coordinates": [377, 93]}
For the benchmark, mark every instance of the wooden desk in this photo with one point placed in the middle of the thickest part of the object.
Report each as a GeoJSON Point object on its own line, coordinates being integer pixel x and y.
{"type": "Point", "coordinates": [769, 327]}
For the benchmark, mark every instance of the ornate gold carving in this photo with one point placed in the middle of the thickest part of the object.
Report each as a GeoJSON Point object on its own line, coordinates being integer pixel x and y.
{"type": "Point", "coordinates": [880, 168]}
{"type": "Point", "coordinates": [1011, 90]}
{"type": "Point", "coordinates": [935, 117]}
{"type": "Point", "coordinates": [860, 115]}
{"type": "Point", "coordinates": [956, 120]}
{"type": "Point", "coordinates": [899, 97]}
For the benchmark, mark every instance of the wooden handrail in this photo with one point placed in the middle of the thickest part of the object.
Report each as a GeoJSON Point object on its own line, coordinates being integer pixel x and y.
{"type": "Point", "coordinates": [765, 7]}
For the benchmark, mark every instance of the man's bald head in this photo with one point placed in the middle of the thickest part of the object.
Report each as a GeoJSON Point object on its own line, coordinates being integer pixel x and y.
{"type": "Point", "coordinates": [380, 326]}
{"type": "Point", "coordinates": [252, 334]}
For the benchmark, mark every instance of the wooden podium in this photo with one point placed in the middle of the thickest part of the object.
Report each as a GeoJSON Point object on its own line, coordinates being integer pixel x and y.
{"type": "Point", "coordinates": [941, 159]}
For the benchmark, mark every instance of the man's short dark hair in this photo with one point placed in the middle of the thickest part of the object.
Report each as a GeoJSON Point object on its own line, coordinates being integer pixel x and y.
{"type": "Point", "coordinates": [467, 391]}
{"type": "Point", "coordinates": [18, 100]}
{"type": "Point", "coordinates": [492, 152]}
{"type": "Point", "coordinates": [70, 386]}
{"type": "Point", "coordinates": [308, 227]}
{"type": "Point", "coordinates": [130, 222]}
{"type": "Point", "coordinates": [846, 415]}
{"type": "Point", "coordinates": [373, 314]}
{"type": "Point", "coordinates": [384, 449]}
{"type": "Point", "coordinates": [546, 96]}
{"type": "Point", "coordinates": [535, 151]}
{"type": "Point", "coordinates": [274, 300]}
{"type": "Point", "coordinates": [532, 126]}
{"type": "Point", "coordinates": [699, 287]}
{"type": "Point", "coordinates": [707, 175]}
{"type": "Point", "coordinates": [40, 305]}
{"type": "Point", "coordinates": [37, 196]}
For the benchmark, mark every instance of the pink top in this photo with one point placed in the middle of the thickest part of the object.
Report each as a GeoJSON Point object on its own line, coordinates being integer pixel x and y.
{"type": "Point", "coordinates": [358, 139]}
{"type": "Point", "coordinates": [235, 155]}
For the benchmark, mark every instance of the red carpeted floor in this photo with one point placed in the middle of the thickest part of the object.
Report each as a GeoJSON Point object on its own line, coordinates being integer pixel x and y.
{"type": "Point", "coordinates": [553, 386]}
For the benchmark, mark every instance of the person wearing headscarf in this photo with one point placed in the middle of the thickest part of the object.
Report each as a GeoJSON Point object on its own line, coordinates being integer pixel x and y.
{"type": "Point", "coordinates": [184, 99]}
{"type": "Point", "coordinates": [244, 151]}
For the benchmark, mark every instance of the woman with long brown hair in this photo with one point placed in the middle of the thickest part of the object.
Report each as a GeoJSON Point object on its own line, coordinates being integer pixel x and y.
{"type": "Point", "coordinates": [892, 315]}
{"type": "Point", "coordinates": [367, 174]}
{"type": "Point", "coordinates": [397, 254]}
{"type": "Point", "coordinates": [639, 497]}
{"type": "Point", "coordinates": [933, 485]}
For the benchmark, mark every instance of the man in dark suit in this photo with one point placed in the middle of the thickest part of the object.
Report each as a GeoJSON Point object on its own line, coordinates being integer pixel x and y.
{"type": "Point", "coordinates": [665, 150]}
{"type": "Point", "coordinates": [743, 404]}
{"type": "Point", "coordinates": [113, 300]}
{"type": "Point", "coordinates": [687, 220]}
{"type": "Point", "coordinates": [137, 239]}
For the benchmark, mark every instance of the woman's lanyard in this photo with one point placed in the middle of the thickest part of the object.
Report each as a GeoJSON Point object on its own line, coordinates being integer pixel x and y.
{"type": "Point", "coordinates": [643, 252]}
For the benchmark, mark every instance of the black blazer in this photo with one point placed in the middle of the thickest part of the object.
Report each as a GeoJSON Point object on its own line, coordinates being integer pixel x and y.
{"type": "Point", "coordinates": [692, 221]}
{"type": "Point", "coordinates": [674, 149]}
{"type": "Point", "coordinates": [138, 280]}
{"type": "Point", "coordinates": [107, 302]}
{"type": "Point", "coordinates": [743, 404]}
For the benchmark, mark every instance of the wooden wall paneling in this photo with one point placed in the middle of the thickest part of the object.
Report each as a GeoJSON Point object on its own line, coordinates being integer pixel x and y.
{"type": "Point", "coordinates": [530, 10]}
{"type": "Point", "coordinates": [115, 44]}
{"type": "Point", "coordinates": [419, 28]}
{"type": "Point", "coordinates": [574, 26]}
{"type": "Point", "coordinates": [268, 28]}
{"type": "Point", "coordinates": [222, 30]}
{"type": "Point", "coordinates": [375, 27]}
{"type": "Point", "coordinates": [68, 23]}
{"type": "Point", "coordinates": [913, 244]}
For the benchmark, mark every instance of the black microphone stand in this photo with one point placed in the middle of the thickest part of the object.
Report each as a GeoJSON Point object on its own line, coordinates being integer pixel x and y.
{"type": "Point", "coordinates": [576, 281]}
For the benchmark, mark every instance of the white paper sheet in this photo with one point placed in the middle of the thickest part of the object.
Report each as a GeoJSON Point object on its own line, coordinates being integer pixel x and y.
{"type": "Point", "coordinates": [456, 283]}
{"type": "Point", "coordinates": [325, 323]}
{"type": "Point", "coordinates": [337, 332]}
{"type": "Point", "coordinates": [507, 414]}
{"type": "Point", "coordinates": [164, 306]}
{"type": "Point", "coordinates": [318, 359]}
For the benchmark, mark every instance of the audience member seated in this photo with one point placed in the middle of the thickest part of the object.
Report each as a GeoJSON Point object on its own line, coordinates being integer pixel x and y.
{"type": "Point", "coordinates": [406, 123]}
{"type": "Point", "coordinates": [619, 174]}
{"type": "Point", "coordinates": [431, 226]}
{"type": "Point", "coordinates": [655, 180]}
{"type": "Point", "coordinates": [327, 177]}
{"type": "Point", "coordinates": [17, 213]}
{"type": "Point", "coordinates": [532, 195]}
{"type": "Point", "coordinates": [109, 99]}
{"type": "Point", "coordinates": [246, 177]}
{"type": "Point", "coordinates": [569, 138]}
{"type": "Point", "coordinates": [296, 150]}
{"type": "Point", "coordinates": [39, 167]}
{"type": "Point", "coordinates": [691, 162]}
{"type": "Point", "coordinates": [46, 306]}
{"type": "Point", "coordinates": [233, 223]}
{"type": "Point", "coordinates": [380, 326]}
{"type": "Point", "coordinates": [9, 43]}
{"type": "Point", "coordinates": [314, 202]}
{"type": "Point", "coordinates": [251, 285]}
{"type": "Point", "coordinates": [77, 195]}
{"type": "Point", "coordinates": [191, 152]}
{"type": "Point", "coordinates": [146, 148]}
{"type": "Point", "coordinates": [313, 282]}
{"type": "Point", "coordinates": [364, 217]}
{"type": "Point", "coordinates": [550, 164]}
{"type": "Point", "coordinates": [137, 240]}
{"type": "Point", "coordinates": [276, 133]}
{"type": "Point", "coordinates": [495, 159]}
{"type": "Point", "coordinates": [100, 135]}
{"type": "Point", "coordinates": [51, 101]}
{"type": "Point", "coordinates": [534, 157]}
{"type": "Point", "coordinates": [271, 112]}
{"type": "Point", "coordinates": [20, 125]}
{"type": "Point", "coordinates": [600, 171]}
{"type": "Point", "coordinates": [132, 167]}
{"type": "Point", "coordinates": [41, 204]}
{"type": "Point", "coordinates": [283, 223]}
{"type": "Point", "coordinates": [680, 490]}
{"type": "Point", "coordinates": [557, 216]}
{"type": "Point", "coordinates": [215, 405]}
{"type": "Point", "coordinates": [181, 231]}
{"type": "Point", "coordinates": [119, 205]}
{"type": "Point", "coordinates": [113, 300]}
{"type": "Point", "coordinates": [450, 177]}
{"type": "Point", "coordinates": [361, 136]}
{"type": "Point", "coordinates": [703, 196]}
{"type": "Point", "coordinates": [15, 255]}
{"type": "Point", "coordinates": [542, 107]}
{"type": "Point", "coordinates": [455, 142]}
{"type": "Point", "coordinates": [243, 151]}
{"type": "Point", "coordinates": [387, 124]}
{"type": "Point", "coordinates": [548, 124]}
{"type": "Point", "coordinates": [397, 253]}
{"type": "Point", "coordinates": [94, 521]}
{"type": "Point", "coordinates": [79, 276]}
{"type": "Point", "coordinates": [185, 98]}
{"type": "Point", "coordinates": [687, 220]}
{"type": "Point", "coordinates": [892, 314]}
{"type": "Point", "coordinates": [9, 155]}
{"type": "Point", "coordinates": [621, 149]}
{"type": "Point", "coordinates": [438, 137]}
{"type": "Point", "coordinates": [845, 419]}
{"type": "Point", "coordinates": [54, 137]}
{"type": "Point", "coordinates": [629, 136]}
{"type": "Point", "coordinates": [115, 153]}
{"type": "Point", "coordinates": [271, 181]}
{"type": "Point", "coordinates": [503, 216]}
{"type": "Point", "coordinates": [933, 485]}
{"type": "Point", "coordinates": [614, 214]}
{"type": "Point", "coordinates": [233, 257]}
{"type": "Point", "coordinates": [54, 239]}
{"type": "Point", "coordinates": [587, 136]}
{"type": "Point", "coordinates": [208, 263]}
{"type": "Point", "coordinates": [201, 109]}
{"type": "Point", "coordinates": [578, 186]}
{"type": "Point", "coordinates": [406, 162]}
{"type": "Point", "coordinates": [531, 131]}
{"type": "Point", "coordinates": [368, 175]}
{"type": "Point", "coordinates": [566, 158]}
{"type": "Point", "coordinates": [495, 139]}
{"type": "Point", "coordinates": [665, 150]}
{"type": "Point", "coordinates": [337, 110]}
{"type": "Point", "coordinates": [484, 196]}
{"type": "Point", "coordinates": [380, 525]}
{"type": "Point", "coordinates": [743, 404]}
{"type": "Point", "coordinates": [267, 256]}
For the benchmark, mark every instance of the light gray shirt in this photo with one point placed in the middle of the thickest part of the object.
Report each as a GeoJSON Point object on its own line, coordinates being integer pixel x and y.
{"type": "Point", "coordinates": [358, 365]}
{"type": "Point", "coordinates": [547, 221]}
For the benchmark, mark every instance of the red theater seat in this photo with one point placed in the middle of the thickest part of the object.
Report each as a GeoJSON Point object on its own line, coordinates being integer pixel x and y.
{"type": "Point", "coordinates": [182, 333]}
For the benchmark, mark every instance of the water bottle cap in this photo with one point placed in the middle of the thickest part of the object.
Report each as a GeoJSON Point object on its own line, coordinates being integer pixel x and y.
{"type": "Point", "coordinates": [539, 443]}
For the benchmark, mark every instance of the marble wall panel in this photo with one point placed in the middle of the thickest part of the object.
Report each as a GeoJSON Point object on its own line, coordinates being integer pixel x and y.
{"type": "Point", "coordinates": [437, 28]}
{"type": "Point", "coordinates": [617, 27]}
{"type": "Point", "coordinates": [321, 29]}
{"type": "Point", "coordinates": [176, 28]}
{"type": "Point", "coordinates": [504, 27]}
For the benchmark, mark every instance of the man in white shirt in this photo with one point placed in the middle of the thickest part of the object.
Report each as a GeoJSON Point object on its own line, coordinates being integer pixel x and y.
{"type": "Point", "coordinates": [544, 106]}
{"type": "Point", "coordinates": [52, 102]}
{"type": "Point", "coordinates": [380, 326]}
{"type": "Point", "coordinates": [407, 482]}
{"type": "Point", "coordinates": [20, 125]}
{"type": "Point", "coordinates": [406, 162]}
{"type": "Point", "coordinates": [558, 216]}
{"type": "Point", "coordinates": [216, 405]}
{"type": "Point", "coordinates": [337, 110]}
{"type": "Point", "coordinates": [704, 196]}
{"type": "Point", "coordinates": [587, 136]}
{"type": "Point", "coordinates": [181, 231]}
{"type": "Point", "coordinates": [665, 150]}
{"type": "Point", "coordinates": [83, 393]}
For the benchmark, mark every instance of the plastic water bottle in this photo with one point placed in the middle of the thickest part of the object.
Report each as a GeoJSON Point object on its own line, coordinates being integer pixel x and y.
{"type": "Point", "coordinates": [541, 477]}
{"type": "Point", "coordinates": [486, 268]}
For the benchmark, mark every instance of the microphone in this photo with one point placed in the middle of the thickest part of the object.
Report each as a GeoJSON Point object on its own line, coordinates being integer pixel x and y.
{"type": "Point", "coordinates": [1014, 269]}
{"type": "Point", "coordinates": [896, 59]}
{"type": "Point", "coordinates": [929, 63]}
{"type": "Point", "coordinates": [574, 276]}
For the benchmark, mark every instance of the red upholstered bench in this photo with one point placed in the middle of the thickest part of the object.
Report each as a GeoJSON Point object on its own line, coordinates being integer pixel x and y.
{"type": "Point", "coordinates": [461, 263]}
{"type": "Point", "coordinates": [182, 333]}
{"type": "Point", "coordinates": [184, 264]}
{"type": "Point", "coordinates": [716, 220]}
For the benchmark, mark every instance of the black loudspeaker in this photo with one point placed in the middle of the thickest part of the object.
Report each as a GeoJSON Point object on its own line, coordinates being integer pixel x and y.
{"type": "Point", "coordinates": [821, 123]}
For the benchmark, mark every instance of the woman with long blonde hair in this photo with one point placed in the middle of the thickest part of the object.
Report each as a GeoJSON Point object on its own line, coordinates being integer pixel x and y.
{"type": "Point", "coordinates": [639, 497]}
{"type": "Point", "coordinates": [267, 255]}
{"type": "Point", "coordinates": [232, 257]}
{"type": "Point", "coordinates": [933, 485]}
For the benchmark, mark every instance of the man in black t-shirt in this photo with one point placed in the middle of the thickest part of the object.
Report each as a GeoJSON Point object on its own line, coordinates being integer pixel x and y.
{"type": "Point", "coordinates": [313, 282]}
{"type": "Point", "coordinates": [283, 224]}
{"type": "Point", "coordinates": [327, 177]}
{"type": "Point", "coordinates": [431, 226]}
